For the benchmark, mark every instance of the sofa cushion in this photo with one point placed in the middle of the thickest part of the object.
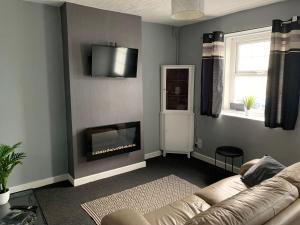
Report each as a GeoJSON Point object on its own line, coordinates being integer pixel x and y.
{"type": "Point", "coordinates": [124, 217]}
{"type": "Point", "coordinates": [291, 174]}
{"type": "Point", "coordinates": [254, 206]}
{"type": "Point", "coordinates": [178, 212]}
{"type": "Point", "coordinates": [264, 169]}
{"type": "Point", "coordinates": [222, 190]}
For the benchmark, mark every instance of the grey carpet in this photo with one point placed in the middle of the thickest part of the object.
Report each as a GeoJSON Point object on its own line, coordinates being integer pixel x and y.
{"type": "Point", "coordinates": [61, 203]}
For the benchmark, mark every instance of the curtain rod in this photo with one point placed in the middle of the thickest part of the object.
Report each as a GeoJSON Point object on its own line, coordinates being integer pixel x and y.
{"type": "Point", "coordinates": [251, 29]}
{"type": "Point", "coordinates": [293, 19]}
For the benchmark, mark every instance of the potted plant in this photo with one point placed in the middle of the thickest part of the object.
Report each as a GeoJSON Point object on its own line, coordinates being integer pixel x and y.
{"type": "Point", "coordinates": [8, 160]}
{"type": "Point", "coordinates": [248, 103]}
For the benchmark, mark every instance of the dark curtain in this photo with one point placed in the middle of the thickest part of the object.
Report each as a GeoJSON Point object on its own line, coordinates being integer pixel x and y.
{"type": "Point", "coordinates": [283, 86]}
{"type": "Point", "coordinates": [212, 74]}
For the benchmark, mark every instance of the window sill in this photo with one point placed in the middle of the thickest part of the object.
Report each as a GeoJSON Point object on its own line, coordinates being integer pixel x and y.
{"type": "Point", "coordinates": [252, 115]}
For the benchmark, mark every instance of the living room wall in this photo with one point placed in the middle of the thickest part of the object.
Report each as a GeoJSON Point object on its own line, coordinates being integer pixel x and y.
{"type": "Point", "coordinates": [32, 89]}
{"type": "Point", "coordinates": [252, 136]}
{"type": "Point", "coordinates": [99, 101]}
{"type": "Point", "coordinates": [158, 48]}
{"type": "Point", "coordinates": [32, 86]}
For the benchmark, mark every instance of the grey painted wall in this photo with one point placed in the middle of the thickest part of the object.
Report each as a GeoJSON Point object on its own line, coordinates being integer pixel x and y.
{"type": "Point", "coordinates": [158, 48]}
{"type": "Point", "coordinates": [99, 101]}
{"type": "Point", "coordinates": [251, 135]}
{"type": "Point", "coordinates": [32, 88]}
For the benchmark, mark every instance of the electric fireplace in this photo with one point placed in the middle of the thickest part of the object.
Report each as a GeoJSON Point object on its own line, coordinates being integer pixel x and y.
{"type": "Point", "coordinates": [113, 139]}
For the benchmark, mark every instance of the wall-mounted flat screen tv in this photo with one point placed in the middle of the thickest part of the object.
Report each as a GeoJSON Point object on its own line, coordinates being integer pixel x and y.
{"type": "Point", "coordinates": [110, 61]}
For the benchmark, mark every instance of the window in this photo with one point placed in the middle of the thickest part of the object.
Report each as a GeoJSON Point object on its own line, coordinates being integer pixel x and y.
{"type": "Point", "coordinates": [246, 67]}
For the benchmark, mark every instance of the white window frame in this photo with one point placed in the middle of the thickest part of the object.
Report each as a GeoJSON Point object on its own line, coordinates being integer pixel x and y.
{"type": "Point", "coordinates": [232, 41]}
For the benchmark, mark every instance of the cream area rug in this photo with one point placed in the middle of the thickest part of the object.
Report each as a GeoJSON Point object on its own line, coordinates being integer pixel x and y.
{"type": "Point", "coordinates": [144, 198]}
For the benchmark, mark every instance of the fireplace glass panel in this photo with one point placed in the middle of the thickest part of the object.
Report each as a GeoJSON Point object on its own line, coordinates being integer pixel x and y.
{"type": "Point", "coordinates": [112, 139]}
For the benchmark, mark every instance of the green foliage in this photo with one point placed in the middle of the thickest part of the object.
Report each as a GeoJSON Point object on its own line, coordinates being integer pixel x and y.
{"type": "Point", "coordinates": [8, 160]}
{"type": "Point", "coordinates": [249, 102]}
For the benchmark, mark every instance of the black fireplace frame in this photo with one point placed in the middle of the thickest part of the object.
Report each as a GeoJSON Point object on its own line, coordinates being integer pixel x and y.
{"type": "Point", "coordinates": [90, 131]}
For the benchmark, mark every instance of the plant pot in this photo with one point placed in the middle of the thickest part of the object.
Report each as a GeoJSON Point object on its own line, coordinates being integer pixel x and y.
{"type": "Point", "coordinates": [4, 197]}
{"type": "Point", "coordinates": [4, 209]}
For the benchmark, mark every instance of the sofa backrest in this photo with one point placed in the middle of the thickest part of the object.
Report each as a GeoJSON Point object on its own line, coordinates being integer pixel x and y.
{"type": "Point", "coordinates": [222, 190]}
{"type": "Point", "coordinates": [254, 206]}
{"type": "Point", "coordinates": [292, 175]}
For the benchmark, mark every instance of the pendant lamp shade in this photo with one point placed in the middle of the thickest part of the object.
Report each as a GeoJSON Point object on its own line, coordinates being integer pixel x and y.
{"type": "Point", "coordinates": [187, 9]}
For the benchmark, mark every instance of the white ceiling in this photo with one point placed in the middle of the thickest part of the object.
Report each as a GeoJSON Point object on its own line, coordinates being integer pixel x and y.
{"type": "Point", "coordinates": [159, 11]}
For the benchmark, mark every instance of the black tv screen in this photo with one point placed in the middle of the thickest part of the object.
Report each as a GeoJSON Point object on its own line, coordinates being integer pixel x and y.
{"type": "Point", "coordinates": [114, 61]}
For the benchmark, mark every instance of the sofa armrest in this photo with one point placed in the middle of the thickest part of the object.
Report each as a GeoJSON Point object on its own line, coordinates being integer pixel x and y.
{"type": "Point", "coordinates": [246, 166]}
{"type": "Point", "coordinates": [124, 217]}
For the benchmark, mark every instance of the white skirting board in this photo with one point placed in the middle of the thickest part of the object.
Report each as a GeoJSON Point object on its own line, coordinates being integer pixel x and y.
{"type": "Point", "coordinates": [110, 173]}
{"type": "Point", "coordinates": [76, 182]}
{"type": "Point", "coordinates": [38, 183]}
{"type": "Point", "coordinates": [211, 160]}
{"type": "Point", "coordinates": [153, 154]}
{"type": "Point", "coordinates": [199, 156]}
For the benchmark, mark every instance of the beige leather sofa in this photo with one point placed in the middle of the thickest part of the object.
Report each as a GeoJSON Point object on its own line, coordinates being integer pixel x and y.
{"type": "Point", "coordinates": [228, 202]}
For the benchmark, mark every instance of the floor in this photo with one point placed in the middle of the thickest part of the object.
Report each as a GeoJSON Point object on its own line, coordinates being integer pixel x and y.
{"type": "Point", "coordinates": [60, 203]}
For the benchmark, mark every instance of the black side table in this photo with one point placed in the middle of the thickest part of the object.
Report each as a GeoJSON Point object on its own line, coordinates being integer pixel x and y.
{"type": "Point", "coordinates": [230, 152]}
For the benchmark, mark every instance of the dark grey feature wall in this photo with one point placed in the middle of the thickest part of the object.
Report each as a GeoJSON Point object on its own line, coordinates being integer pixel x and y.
{"type": "Point", "coordinates": [32, 89]}
{"type": "Point", "coordinates": [98, 101]}
{"type": "Point", "coordinates": [251, 135]}
{"type": "Point", "coordinates": [158, 48]}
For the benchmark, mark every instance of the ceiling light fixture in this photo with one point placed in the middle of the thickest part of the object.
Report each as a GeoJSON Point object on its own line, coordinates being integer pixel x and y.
{"type": "Point", "coordinates": [187, 9]}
